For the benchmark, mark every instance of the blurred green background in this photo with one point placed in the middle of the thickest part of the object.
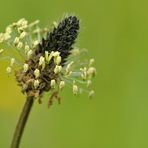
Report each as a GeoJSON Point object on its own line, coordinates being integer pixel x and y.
{"type": "Point", "coordinates": [115, 32]}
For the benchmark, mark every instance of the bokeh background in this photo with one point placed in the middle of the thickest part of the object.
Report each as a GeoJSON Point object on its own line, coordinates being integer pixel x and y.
{"type": "Point", "coordinates": [115, 32]}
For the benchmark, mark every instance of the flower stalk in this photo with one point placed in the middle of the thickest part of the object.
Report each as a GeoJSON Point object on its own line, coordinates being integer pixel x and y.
{"type": "Point", "coordinates": [22, 122]}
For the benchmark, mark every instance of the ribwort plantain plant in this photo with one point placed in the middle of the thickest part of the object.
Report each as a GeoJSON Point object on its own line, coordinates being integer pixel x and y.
{"type": "Point", "coordinates": [45, 60]}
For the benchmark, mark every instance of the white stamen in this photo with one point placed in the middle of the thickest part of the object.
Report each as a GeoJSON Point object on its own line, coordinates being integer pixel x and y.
{"type": "Point", "coordinates": [8, 70]}
{"type": "Point", "coordinates": [91, 61]}
{"type": "Point", "coordinates": [57, 53]}
{"type": "Point", "coordinates": [7, 36]}
{"type": "Point", "coordinates": [37, 31]}
{"type": "Point", "coordinates": [36, 84]}
{"type": "Point", "coordinates": [29, 53]}
{"type": "Point", "coordinates": [91, 93]}
{"type": "Point", "coordinates": [23, 34]}
{"type": "Point", "coordinates": [22, 22]}
{"type": "Point", "coordinates": [26, 48]}
{"type": "Point", "coordinates": [20, 45]}
{"type": "Point", "coordinates": [75, 89]}
{"type": "Point", "coordinates": [89, 82]}
{"type": "Point", "coordinates": [57, 60]}
{"type": "Point", "coordinates": [84, 73]}
{"type": "Point", "coordinates": [25, 67]}
{"type": "Point", "coordinates": [52, 83]}
{"type": "Point", "coordinates": [57, 69]}
{"type": "Point", "coordinates": [42, 62]}
{"type": "Point", "coordinates": [12, 61]}
{"type": "Point", "coordinates": [68, 68]}
{"type": "Point", "coordinates": [37, 73]}
{"type": "Point", "coordinates": [8, 30]}
{"type": "Point", "coordinates": [35, 43]}
{"type": "Point", "coordinates": [55, 24]}
{"type": "Point", "coordinates": [61, 85]}
{"type": "Point", "coordinates": [16, 40]}
{"type": "Point", "coordinates": [34, 23]}
{"type": "Point", "coordinates": [46, 55]}
{"type": "Point", "coordinates": [50, 56]}
{"type": "Point", "coordinates": [91, 71]}
{"type": "Point", "coordinates": [75, 51]}
{"type": "Point", "coordinates": [1, 37]}
{"type": "Point", "coordinates": [1, 51]}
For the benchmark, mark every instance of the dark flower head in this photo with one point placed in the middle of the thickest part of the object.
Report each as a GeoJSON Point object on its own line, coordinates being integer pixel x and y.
{"type": "Point", "coordinates": [61, 38]}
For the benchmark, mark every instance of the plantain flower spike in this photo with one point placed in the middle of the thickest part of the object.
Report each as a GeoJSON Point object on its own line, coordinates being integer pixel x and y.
{"type": "Point", "coordinates": [48, 59]}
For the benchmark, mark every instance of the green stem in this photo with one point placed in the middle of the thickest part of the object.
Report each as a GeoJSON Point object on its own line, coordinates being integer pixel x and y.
{"type": "Point", "coordinates": [22, 122]}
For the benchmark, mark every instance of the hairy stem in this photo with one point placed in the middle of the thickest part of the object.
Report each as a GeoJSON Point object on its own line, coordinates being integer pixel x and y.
{"type": "Point", "coordinates": [22, 122]}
